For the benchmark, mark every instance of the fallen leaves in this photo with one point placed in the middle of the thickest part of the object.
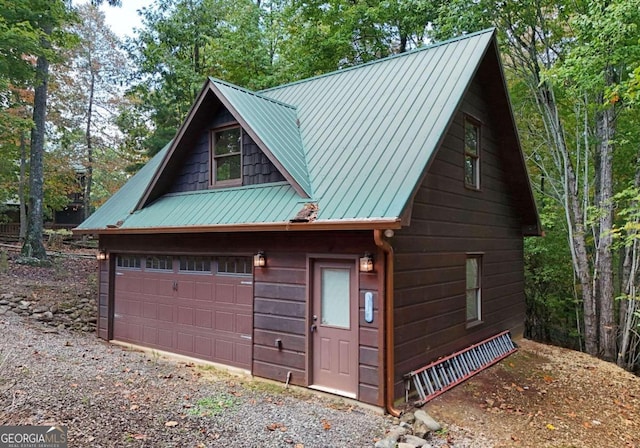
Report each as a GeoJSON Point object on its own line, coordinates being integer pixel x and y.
{"type": "Point", "coordinates": [171, 423]}
{"type": "Point", "coordinates": [276, 426]}
{"type": "Point", "coordinates": [326, 425]}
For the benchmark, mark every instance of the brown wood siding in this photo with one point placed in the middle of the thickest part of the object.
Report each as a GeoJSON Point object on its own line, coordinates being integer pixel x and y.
{"type": "Point", "coordinates": [447, 222]}
{"type": "Point", "coordinates": [280, 308]}
{"type": "Point", "coordinates": [193, 174]}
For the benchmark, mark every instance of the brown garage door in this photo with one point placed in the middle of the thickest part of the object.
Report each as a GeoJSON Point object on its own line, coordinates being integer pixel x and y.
{"type": "Point", "coordinates": [195, 306]}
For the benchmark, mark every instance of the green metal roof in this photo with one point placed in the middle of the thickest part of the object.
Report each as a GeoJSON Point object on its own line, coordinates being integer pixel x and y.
{"type": "Point", "coordinates": [275, 124]}
{"type": "Point", "coordinates": [357, 142]}
{"type": "Point", "coordinates": [123, 202]}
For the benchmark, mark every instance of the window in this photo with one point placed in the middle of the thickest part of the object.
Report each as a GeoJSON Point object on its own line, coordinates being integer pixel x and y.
{"type": "Point", "coordinates": [195, 264]}
{"type": "Point", "coordinates": [235, 265]}
{"type": "Point", "coordinates": [128, 261]}
{"type": "Point", "coordinates": [227, 157]}
{"type": "Point", "coordinates": [473, 291]}
{"type": "Point", "coordinates": [471, 153]}
{"type": "Point", "coordinates": [159, 262]}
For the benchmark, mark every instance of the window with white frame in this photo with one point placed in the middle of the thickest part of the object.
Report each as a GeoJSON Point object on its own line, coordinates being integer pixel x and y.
{"type": "Point", "coordinates": [473, 288]}
{"type": "Point", "coordinates": [471, 153]}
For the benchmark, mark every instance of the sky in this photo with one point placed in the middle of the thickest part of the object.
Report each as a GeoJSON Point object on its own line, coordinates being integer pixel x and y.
{"type": "Point", "coordinates": [124, 19]}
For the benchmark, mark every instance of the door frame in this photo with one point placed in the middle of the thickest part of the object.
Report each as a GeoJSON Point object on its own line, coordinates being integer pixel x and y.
{"type": "Point", "coordinates": [312, 259]}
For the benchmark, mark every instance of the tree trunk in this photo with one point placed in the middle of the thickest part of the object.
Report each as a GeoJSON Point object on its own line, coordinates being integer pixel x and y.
{"type": "Point", "coordinates": [21, 187]}
{"type": "Point", "coordinates": [33, 246]}
{"type": "Point", "coordinates": [573, 214]}
{"type": "Point", "coordinates": [605, 131]}
{"type": "Point", "coordinates": [88, 181]}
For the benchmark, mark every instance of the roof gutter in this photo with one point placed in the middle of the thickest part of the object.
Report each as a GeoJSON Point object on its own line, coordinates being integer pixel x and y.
{"type": "Point", "coordinates": [363, 224]}
{"type": "Point", "coordinates": [389, 325]}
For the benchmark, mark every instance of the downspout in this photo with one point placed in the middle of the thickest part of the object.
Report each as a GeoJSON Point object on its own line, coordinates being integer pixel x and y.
{"type": "Point", "coordinates": [388, 325]}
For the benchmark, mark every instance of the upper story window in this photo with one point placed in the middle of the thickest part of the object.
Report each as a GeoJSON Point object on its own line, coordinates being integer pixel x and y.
{"type": "Point", "coordinates": [226, 157]}
{"type": "Point", "coordinates": [471, 153]}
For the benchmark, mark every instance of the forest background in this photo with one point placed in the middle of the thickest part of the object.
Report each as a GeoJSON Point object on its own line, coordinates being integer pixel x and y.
{"type": "Point", "coordinates": [75, 96]}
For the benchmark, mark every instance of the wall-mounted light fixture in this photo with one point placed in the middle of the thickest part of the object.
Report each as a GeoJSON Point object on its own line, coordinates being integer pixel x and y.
{"type": "Point", "coordinates": [366, 263]}
{"type": "Point", "coordinates": [259, 260]}
{"type": "Point", "coordinates": [101, 255]}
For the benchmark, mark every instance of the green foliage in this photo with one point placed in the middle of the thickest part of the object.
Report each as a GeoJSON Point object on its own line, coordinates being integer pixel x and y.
{"type": "Point", "coordinates": [212, 406]}
{"type": "Point", "coordinates": [549, 282]}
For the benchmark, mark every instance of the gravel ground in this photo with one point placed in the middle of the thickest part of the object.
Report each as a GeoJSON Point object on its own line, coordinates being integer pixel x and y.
{"type": "Point", "coordinates": [108, 396]}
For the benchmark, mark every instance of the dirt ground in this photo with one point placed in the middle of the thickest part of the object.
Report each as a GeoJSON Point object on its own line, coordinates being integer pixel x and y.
{"type": "Point", "coordinates": [542, 396]}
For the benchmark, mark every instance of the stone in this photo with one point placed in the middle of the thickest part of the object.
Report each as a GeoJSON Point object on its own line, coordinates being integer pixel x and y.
{"type": "Point", "coordinates": [46, 316]}
{"type": "Point", "coordinates": [385, 443]}
{"type": "Point", "coordinates": [405, 445]}
{"type": "Point", "coordinates": [414, 442]}
{"type": "Point", "coordinates": [53, 309]}
{"type": "Point", "coordinates": [420, 429]}
{"type": "Point", "coordinates": [23, 306]}
{"type": "Point", "coordinates": [409, 417]}
{"type": "Point", "coordinates": [7, 296]}
{"type": "Point", "coordinates": [4, 309]}
{"type": "Point", "coordinates": [40, 309]}
{"type": "Point", "coordinates": [4, 302]}
{"type": "Point", "coordinates": [24, 303]}
{"type": "Point", "coordinates": [427, 420]}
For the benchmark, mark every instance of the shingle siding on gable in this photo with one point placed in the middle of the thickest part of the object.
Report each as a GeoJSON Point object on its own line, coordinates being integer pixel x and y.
{"type": "Point", "coordinates": [194, 173]}
{"type": "Point", "coordinates": [256, 168]}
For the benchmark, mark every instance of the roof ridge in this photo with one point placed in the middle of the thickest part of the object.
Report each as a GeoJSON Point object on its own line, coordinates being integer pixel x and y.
{"type": "Point", "coordinates": [385, 59]}
{"type": "Point", "coordinates": [251, 92]}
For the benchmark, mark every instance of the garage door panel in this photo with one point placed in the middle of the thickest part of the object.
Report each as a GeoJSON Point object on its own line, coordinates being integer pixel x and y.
{"type": "Point", "coordinates": [224, 350]}
{"type": "Point", "coordinates": [225, 292]}
{"type": "Point", "coordinates": [244, 324]}
{"type": "Point", "coordinates": [150, 310]}
{"type": "Point", "coordinates": [203, 346]}
{"type": "Point", "coordinates": [185, 342]}
{"type": "Point", "coordinates": [185, 315]}
{"type": "Point", "coordinates": [150, 335]}
{"type": "Point", "coordinates": [198, 314]}
{"type": "Point", "coordinates": [203, 291]}
{"type": "Point", "coordinates": [165, 313]}
{"type": "Point", "coordinates": [225, 321]}
{"type": "Point", "coordinates": [204, 318]}
{"type": "Point", "coordinates": [244, 294]}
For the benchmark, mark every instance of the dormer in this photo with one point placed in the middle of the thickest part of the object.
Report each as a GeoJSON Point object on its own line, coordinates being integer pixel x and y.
{"type": "Point", "coordinates": [232, 137]}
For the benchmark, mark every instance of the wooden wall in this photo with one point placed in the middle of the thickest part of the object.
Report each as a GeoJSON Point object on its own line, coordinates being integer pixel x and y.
{"type": "Point", "coordinates": [281, 294]}
{"type": "Point", "coordinates": [448, 221]}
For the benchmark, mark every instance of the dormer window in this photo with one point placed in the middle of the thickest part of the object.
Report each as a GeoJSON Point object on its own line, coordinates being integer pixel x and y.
{"type": "Point", "coordinates": [226, 157]}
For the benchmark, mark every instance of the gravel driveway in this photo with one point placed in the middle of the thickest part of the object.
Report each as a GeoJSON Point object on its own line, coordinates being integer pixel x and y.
{"type": "Point", "coordinates": [108, 396]}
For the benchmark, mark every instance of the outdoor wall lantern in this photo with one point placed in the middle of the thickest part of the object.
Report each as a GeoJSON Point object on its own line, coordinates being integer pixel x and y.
{"type": "Point", "coordinates": [366, 263]}
{"type": "Point", "coordinates": [101, 255]}
{"type": "Point", "coordinates": [259, 260]}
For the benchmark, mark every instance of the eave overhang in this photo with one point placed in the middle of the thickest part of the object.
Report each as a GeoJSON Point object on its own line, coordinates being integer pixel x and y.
{"type": "Point", "coordinates": [319, 225]}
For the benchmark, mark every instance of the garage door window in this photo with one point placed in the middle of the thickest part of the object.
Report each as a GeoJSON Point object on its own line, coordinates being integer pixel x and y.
{"type": "Point", "coordinates": [234, 265]}
{"type": "Point", "coordinates": [128, 261]}
{"type": "Point", "coordinates": [195, 264]}
{"type": "Point", "coordinates": [159, 263]}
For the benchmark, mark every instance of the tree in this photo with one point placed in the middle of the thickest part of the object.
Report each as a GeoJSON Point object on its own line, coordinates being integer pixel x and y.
{"type": "Point", "coordinates": [86, 93]}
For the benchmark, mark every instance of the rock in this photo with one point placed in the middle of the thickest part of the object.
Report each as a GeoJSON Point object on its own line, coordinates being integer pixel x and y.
{"type": "Point", "coordinates": [24, 303]}
{"type": "Point", "coordinates": [46, 316]}
{"type": "Point", "coordinates": [7, 296]}
{"type": "Point", "coordinates": [385, 443]}
{"type": "Point", "coordinates": [4, 309]}
{"type": "Point", "coordinates": [40, 309]}
{"type": "Point", "coordinates": [409, 417]}
{"type": "Point", "coordinates": [414, 442]}
{"type": "Point", "coordinates": [4, 302]}
{"type": "Point", "coordinates": [405, 445]}
{"type": "Point", "coordinates": [420, 429]}
{"type": "Point", "coordinates": [427, 420]}
{"type": "Point", "coordinates": [53, 309]}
